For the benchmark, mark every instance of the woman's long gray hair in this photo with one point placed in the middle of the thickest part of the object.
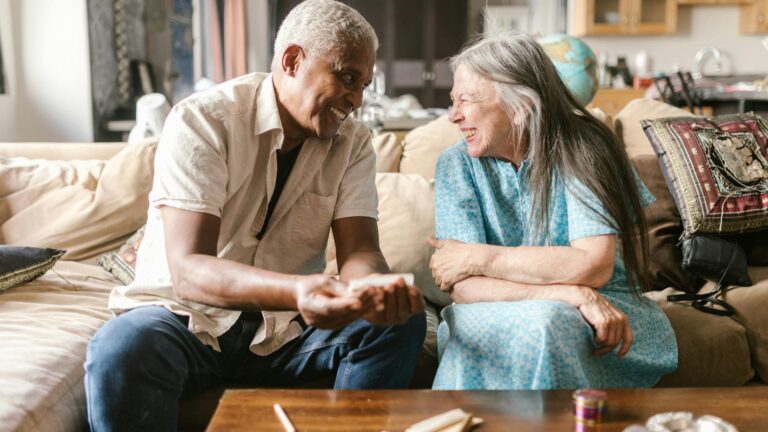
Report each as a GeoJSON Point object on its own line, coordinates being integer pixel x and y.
{"type": "Point", "coordinates": [563, 138]}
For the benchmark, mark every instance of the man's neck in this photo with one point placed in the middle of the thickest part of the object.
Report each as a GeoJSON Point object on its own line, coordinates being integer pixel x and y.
{"type": "Point", "coordinates": [292, 138]}
{"type": "Point", "coordinates": [289, 144]}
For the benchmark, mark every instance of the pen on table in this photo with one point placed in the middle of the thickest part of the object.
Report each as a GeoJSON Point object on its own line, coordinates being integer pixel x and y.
{"type": "Point", "coordinates": [284, 420]}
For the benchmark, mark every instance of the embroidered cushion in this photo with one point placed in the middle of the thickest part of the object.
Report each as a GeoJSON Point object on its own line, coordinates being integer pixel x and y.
{"type": "Point", "coordinates": [716, 169]}
{"type": "Point", "coordinates": [122, 263]}
{"type": "Point", "coordinates": [19, 264]}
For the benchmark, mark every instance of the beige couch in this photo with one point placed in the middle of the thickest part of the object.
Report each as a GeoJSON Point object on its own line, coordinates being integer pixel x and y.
{"type": "Point", "coordinates": [88, 198]}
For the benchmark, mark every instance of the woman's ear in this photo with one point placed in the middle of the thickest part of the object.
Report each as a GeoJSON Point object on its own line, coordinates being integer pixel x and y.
{"type": "Point", "coordinates": [291, 59]}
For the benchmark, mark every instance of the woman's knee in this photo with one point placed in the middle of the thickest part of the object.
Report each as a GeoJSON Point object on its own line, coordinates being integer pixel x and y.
{"type": "Point", "coordinates": [509, 318]}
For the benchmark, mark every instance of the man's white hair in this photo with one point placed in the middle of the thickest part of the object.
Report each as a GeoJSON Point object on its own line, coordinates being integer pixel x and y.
{"type": "Point", "coordinates": [323, 26]}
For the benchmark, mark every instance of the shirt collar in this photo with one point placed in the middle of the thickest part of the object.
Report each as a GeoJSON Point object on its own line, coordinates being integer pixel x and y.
{"type": "Point", "coordinates": [267, 115]}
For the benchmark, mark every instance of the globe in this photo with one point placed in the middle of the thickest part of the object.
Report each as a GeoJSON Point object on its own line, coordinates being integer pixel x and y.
{"type": "Point", "coordinates": [575, 63]}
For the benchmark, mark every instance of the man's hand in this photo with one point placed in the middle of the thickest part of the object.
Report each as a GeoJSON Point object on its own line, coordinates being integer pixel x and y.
{"type": "Point", "coordinates": [452, 262]}
{"type": "Point", "coordinates": [394, 303]}
{"type": "Point", "coordinates": [610, 323]}
{"type": "Point", "coordinates": [326, 303]}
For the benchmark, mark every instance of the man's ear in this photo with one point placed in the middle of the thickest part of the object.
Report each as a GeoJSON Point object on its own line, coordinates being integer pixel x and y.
{"type": "Point", "coordinates": [292, 57]}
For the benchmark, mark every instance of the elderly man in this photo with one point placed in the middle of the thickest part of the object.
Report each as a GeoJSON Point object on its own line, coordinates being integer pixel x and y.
{"type": "Point", "coordinates": [250, 178]}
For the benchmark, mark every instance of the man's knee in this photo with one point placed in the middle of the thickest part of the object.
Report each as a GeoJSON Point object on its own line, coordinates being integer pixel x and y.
{"type": "Point", "coordinates": [129, 340]}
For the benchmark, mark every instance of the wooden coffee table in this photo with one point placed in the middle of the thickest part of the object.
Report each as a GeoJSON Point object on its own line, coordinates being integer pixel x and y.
{"type": "Point", "coordinates": [395, 410]}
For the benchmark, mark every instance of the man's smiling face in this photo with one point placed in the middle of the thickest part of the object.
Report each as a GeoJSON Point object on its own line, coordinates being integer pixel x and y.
{"type": "Point", "coordinates": [326, 89]}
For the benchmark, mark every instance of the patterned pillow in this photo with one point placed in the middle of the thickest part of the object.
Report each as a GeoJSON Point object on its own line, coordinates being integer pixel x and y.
{"type": "Point", "coordinates": [19, 264]}
{"type": "Point", "coordinates": [716, 169]}
{"type": "Point", "coordinates": [122, 263]}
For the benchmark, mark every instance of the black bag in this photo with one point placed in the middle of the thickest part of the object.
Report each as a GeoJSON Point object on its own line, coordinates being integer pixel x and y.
{"type": "Point", "coordinates": [718, 260]}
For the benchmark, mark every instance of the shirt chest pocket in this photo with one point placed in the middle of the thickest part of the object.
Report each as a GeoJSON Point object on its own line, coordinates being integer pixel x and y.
{"type": "Point", "coordinates": [310, 221]}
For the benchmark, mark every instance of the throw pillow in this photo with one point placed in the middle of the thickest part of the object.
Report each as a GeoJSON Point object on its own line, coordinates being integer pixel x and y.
{"type": "Point", "coordinates": [85, 207]}
{"type": "Point", "coordinates": [19, 265]}
{"type": "Point", "coordinates": [122, 263]}
{"type": "Point", "coordinates": [664, 229]}
{"type": "Point", "coordinates": [423, 145]}
{"type": "Point", "coordinates": [628, 128]}
{"type": "Point", "coordinates": [406, 220]}
{"type": "Point", "coordinates": [388, 151]}
{"type": "Point", "coordinates": [716, 170]}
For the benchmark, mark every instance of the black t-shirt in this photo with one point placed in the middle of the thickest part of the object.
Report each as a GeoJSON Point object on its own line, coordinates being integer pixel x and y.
{"type": "Point", "coordinates": [285, 162]}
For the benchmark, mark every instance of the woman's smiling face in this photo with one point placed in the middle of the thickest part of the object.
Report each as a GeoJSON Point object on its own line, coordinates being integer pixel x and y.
{"type": "Point", "coordinates": [478, 112]}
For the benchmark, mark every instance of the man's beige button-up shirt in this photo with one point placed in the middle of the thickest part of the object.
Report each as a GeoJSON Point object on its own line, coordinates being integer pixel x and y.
{"type": "Point", "coordinates": [217, 155]}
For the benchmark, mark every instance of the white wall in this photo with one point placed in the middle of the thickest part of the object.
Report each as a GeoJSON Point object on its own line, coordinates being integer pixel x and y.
{"type": "Point", "coordinates": [7, 100]}
{"type": "Point", "coordinates": [697, 27]}
{"type": "Point", "coordinates": [50, 86]}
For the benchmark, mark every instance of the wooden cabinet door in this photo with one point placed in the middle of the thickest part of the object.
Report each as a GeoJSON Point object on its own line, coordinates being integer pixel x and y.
{"type": "Point", "coordinates": [753, 17]}
{"type": "Point", "coordinates": [653, 16]}
{"type": "Point", "coordinates": [621, 17]}
{"type": "Point", "coordinates": [600, 17]}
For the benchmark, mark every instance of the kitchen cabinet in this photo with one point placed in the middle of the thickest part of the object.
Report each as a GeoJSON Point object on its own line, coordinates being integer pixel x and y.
{"type": "Point", "coordinates": [623, 17]}
{"type": "Point", "coordinates": [752, 17]}
{"type": "Point", "coordinates": [713, 2]}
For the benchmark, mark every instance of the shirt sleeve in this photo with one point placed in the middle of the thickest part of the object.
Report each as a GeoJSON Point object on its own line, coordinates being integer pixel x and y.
{"type": "Point", "coordinates": [457, 208]}
{"type": "Point", "coordinates": [587, 215]}
{"type": "Point", "coordinates": [357, 191]}
{"type": "Point", "coordinates": [190, 165]}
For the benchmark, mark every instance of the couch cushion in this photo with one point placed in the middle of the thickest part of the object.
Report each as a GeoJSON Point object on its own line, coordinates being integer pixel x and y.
{"type": "Point", "coordinates": [388, 151]}
{"type": "Point", "coordinates": [45, 326]}
{"type": "Point", "coordinates": [604, 117]}
{"type": "Point", "coordinates": [89, 206]}
{"type": "Point", "coordinates": [406, 220]}
{"type": "Point", "coordinates": [712, 350]}
{"type": "Point", "coordinates": [750, 304]}
{"type": "Point", "coordinates": [62, 151]}
{"type": "Point", "coordinates": [20, 265]}
{"type": "Point", "coordinates": [664, 229]}
{"type": "Point", "coordinates": [627, 124]}
{"type": "Point", "coordinates": [716, 169]}
{"type": "Point", "coordinates": [423, 145]}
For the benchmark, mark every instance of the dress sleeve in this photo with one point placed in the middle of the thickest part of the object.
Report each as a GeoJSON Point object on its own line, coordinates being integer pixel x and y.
{"type": "Point", "coordinates": [457, 208]}
{"type": "Point", "coordinates": [190, 165]}
{"type": "Point", "coordinates": [587, 215]}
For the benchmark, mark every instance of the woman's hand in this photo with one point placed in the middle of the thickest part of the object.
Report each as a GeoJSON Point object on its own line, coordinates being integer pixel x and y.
{"type": "Point", "coordinates": [610, 323]}
{"type": "Point", "coordinates": [453, 261]}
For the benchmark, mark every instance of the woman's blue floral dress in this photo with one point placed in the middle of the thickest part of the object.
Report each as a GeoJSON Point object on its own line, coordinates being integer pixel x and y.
{"type": "Point", "coordinates": [534, 344]}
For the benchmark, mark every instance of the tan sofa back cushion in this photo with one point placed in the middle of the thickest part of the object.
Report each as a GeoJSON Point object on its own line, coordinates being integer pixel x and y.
{"type": "Point", "coordinates": [61, 151]}
{"type": "Point", "coordinates": [406, 220]}
{"type": "Point", "coordinates": [750, 303]}
{"type": "Point", "coordinates": [423, 145]}
{"type": "Point", "coordinates": [712, 350]}
{"type": "Point", "coordinates": [388, 152]}
{"type": "Point", "coordinates": [84, 206]}
{"type": "Point", "coordinates": [627, 124]}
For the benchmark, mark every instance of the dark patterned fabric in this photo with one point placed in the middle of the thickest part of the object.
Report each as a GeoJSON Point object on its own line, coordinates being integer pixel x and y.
{"type": "Point", "coordinates": [122, 263]}
{"type": "Point", "coordinates": [20, 265]}
{"type": "Point", "coordinates": [716, 169]}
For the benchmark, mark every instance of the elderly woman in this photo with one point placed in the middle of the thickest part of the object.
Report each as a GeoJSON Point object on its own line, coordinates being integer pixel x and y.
{"type": "Point", "coordinates": [537, 214]}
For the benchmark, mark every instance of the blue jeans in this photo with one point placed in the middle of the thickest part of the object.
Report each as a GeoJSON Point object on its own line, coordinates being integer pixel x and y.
{"type": "Point", "coordinates": [141, 363]}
